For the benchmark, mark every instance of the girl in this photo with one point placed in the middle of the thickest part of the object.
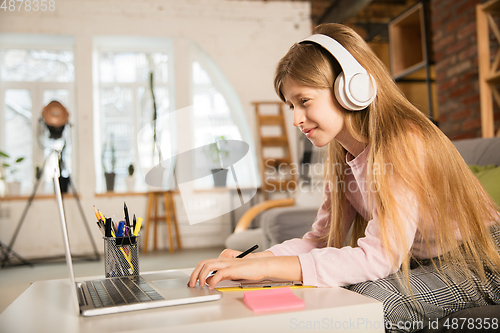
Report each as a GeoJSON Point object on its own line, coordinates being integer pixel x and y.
{"type": "Point", "coordinates": [398, 197]}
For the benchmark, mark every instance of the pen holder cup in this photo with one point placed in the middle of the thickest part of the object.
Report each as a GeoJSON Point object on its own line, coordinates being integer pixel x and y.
{"type": "Point", "coordinates": [121, 256]}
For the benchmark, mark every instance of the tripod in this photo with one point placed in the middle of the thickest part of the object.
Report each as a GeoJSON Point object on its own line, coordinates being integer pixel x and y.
{"type": "Point", "coordinates": [7, 250]}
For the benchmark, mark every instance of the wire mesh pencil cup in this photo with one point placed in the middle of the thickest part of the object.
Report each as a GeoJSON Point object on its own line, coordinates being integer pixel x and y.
{"type": "Point", "coordinates": [121, 256]}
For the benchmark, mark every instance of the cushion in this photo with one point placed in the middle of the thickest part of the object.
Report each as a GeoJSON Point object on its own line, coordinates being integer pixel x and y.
{"type": "Point", "coordinates": [479, 151]}
{"type": "Point", "coordinates": [489, 176]}
{"type": "Point", "coordinates": [242, 241]}
{"type": "Point", "coordinates": [283, 223]}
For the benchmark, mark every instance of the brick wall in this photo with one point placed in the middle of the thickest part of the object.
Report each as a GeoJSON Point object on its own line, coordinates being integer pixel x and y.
{"type": "Point", "coordinates": [453, 24]}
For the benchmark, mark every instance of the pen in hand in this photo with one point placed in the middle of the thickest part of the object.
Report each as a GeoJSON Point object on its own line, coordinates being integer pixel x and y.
{"type": "Point", "coordinates": [241, 255]}
{"type": "Point", "coordinates": [250, 250]}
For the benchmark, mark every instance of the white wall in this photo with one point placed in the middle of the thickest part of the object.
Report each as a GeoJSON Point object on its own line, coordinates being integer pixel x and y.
{"type": "Point", "coordinates": [245, 38]}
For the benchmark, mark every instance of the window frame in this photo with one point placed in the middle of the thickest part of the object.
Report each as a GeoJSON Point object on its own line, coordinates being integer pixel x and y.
{"type": "Point", "coordinates": [132, 44]}
{"type": "Point", "coordinates": [36, 89]}
{"type": "Point", "coordinates": [223, 85]}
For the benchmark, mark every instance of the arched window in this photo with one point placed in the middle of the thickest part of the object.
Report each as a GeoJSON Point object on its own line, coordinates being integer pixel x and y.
{"type": "Point", "coordinates": [217, 114]}
{"type": "Point", "coordinates": [125, 105]}
{"type": "Point", "coordinates": [34, 70]}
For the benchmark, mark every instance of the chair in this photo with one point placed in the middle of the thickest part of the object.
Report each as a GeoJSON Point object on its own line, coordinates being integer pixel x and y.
{"type": "Point", "coordinates": [280, 220]}
{"type": "Point", "coordinates": [154, 199]}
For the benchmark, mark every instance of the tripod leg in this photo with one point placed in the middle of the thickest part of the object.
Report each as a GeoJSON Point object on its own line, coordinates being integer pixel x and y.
{"type": "Point", "coordinates": [20, 223]}
{"type": "Point", "coordinates": [6, 250]}
{"type": "Point", "coordinates": [75, 194]}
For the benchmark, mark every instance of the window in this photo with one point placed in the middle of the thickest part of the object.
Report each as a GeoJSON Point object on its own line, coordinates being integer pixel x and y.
{"type": "Point", "coordinates": [217, 112]}
{"type": "Point", "coordinates": [34, 71]}
{"type": "Point", "coordinates": [125, 104]}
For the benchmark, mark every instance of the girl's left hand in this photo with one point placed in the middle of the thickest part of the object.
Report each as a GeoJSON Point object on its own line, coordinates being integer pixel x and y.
{"type": "Point", "coordinates": [228, 269]}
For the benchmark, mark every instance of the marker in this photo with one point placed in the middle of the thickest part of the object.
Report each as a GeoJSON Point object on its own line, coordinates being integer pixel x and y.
{"type": "Point", "coordinates": [108, 230]}
{"type": "Point", "coordinates": [138, 226]}
{"type": "Point", "coordinates": [125, 209]}
{"type": "Point", "coordinates": [121, 224]}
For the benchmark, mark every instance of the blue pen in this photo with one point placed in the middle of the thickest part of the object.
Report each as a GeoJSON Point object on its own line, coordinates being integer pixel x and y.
{"type": "Point", "coordinates": [120, 229]}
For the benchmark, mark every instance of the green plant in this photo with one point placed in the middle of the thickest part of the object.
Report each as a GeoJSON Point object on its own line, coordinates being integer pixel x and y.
{"type": "Point", "coordinates": [112, 156]}
{"type": "Point", "coordinates": [215, 152]}
{"type": "Point", "coordinates": [11, 166]}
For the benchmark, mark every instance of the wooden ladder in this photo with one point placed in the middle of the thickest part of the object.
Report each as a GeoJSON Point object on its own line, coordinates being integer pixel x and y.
{"type": "Point", "coordinates": [277, 175]}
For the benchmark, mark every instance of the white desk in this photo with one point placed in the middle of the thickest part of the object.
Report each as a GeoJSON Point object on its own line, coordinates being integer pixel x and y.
{"type": "Point", "coordinates": [46, 307]}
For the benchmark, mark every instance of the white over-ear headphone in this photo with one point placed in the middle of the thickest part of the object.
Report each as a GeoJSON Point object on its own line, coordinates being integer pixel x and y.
{"type": "Point", "coordinates": [354, 88]}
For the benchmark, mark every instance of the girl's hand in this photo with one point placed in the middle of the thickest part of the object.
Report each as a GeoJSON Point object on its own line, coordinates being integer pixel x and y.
{"type": "Point", "coordinates": [228, 253]}
{"type": "Point", "coordinates": [262, 265]}
{"type": "Point", "coordinates": [228, 268]}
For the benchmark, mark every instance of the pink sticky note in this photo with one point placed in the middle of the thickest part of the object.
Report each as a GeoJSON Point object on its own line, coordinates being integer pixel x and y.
{"type": "Point", "coordinates": [272, 299]}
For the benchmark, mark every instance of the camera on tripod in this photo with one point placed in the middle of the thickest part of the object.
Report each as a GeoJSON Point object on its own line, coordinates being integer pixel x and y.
{"type": "Point", "coordinates": [51, 135]}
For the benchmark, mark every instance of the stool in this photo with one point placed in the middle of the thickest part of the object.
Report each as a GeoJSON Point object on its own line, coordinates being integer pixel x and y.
{"type": "Point", "coordinates": [152, 215]}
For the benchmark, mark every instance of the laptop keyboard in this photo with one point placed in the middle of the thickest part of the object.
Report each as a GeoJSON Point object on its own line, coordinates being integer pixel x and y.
{"type": "Point", "coordinates": [121, 291]}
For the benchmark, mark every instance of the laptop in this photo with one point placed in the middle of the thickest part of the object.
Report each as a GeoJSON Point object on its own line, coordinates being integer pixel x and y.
{"type": "Point", "coordinates": [128, 293]}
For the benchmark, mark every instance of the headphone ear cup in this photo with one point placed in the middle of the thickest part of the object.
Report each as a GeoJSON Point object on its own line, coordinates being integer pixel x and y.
{"type": "Point", "coordinates": [339, 90]}
{"type": "Point", "coordinates": [365, 91]}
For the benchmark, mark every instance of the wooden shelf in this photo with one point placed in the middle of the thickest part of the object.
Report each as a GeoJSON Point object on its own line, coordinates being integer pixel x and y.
{"type": "Point", "coordinates": [489, 72]}
{"type": "Point", "coordinates": [493, 78]}
{"type": "Point", "coordinates": [492, 7]}
{"type": "Point", "coordinates": [407, 46]}
{"type": "Point", "coordinates": [410, 59]}
{"type": "Point", "coordinates": [37, 197]}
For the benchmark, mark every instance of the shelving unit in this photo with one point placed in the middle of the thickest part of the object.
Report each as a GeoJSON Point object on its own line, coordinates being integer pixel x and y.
{"type": "Point", "coordinates": [489, 73]}
{"type": "Point", "coordinates": [410, 59]}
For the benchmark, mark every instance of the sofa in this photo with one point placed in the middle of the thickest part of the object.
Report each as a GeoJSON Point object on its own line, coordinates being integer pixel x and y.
{"type": "Point", "coordinates": [280, 224]}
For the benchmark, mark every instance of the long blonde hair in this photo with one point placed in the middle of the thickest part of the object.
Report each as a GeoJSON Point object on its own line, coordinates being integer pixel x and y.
{"type": "Point", "coordinates": [423, 161]}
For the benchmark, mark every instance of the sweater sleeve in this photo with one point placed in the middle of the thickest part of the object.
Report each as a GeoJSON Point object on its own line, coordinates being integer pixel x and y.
{"type": "Point", "coordinates": [329, 266]}
{"type": "Point", "coordinates": [311, 240]}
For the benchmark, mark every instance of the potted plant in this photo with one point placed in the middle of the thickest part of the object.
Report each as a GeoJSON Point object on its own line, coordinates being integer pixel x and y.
{"type": "Point", "coordinates": [130, 180]}
{"type": "Point", "coordinates": [109, 173]}
{"type": "Point", "coordinates": [12, 167]}
{"type": "Point", "coordinates": [216, 153]}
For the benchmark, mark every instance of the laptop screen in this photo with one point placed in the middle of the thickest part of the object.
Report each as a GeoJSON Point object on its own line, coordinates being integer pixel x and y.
{"type": "Point", "coordinates": [67, 251]}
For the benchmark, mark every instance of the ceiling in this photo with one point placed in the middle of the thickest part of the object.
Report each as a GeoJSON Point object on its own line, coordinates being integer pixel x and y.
{"type": "Point", "coordinates": [368, 17]}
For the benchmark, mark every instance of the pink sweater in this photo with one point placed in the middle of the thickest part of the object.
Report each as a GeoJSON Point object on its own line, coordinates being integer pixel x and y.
{"type": "Point", "coordinates": [328, 266]}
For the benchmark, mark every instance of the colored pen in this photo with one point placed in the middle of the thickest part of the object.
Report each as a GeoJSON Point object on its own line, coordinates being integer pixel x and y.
{"type": "Point", "coordinates": [121, 225]}
{"type": "Point", "coordinates": [125, 209]}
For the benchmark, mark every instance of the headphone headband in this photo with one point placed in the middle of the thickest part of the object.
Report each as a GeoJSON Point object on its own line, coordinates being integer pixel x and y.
{"type": "Point", "coordinates": [355, 89]}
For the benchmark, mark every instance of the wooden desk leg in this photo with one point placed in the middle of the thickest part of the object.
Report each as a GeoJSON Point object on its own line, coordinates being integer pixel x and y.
{"type": "Point", "coordinates": [168, 220]}
{"type": "Point", "coordinates": [174, 218]}
{"type": "Point", "coordinates": [155, 218]}
{"type": "Point", "coordinates": [148, 220]}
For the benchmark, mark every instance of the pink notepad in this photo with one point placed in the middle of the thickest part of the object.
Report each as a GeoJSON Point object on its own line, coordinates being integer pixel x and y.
{"type": "Point", "coordinates": [272, 299]}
